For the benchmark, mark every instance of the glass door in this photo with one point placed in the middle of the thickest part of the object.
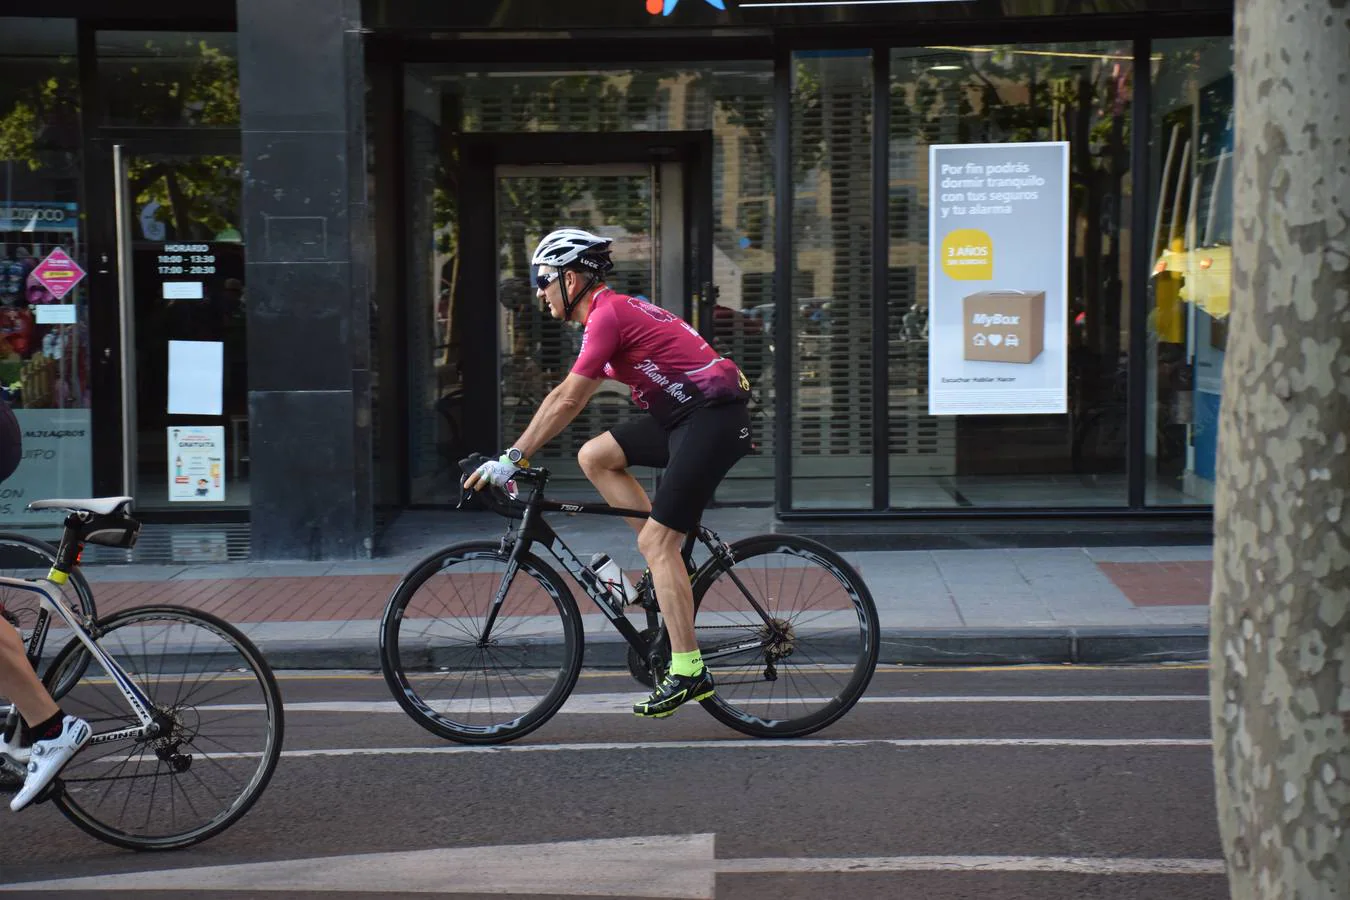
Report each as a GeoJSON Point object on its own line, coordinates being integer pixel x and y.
{"type": "Point", "coordinates": [623, 202]}
{"type": "Point", "coordinates": [184, 376]}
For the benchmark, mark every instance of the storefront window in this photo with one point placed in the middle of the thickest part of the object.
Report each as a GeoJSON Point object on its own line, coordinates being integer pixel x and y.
{"type": "Point", "coordinates": [732, 100]}
{"type": "Point", "coordinates": [1191, 242]}
{"type": "Point", "coordinates": [44, 321]}
{"type": "Point", "coordinates": [1075, 93]}
{"type": "Point", "coordinates": [832, 280]}
{"type": "Point", "coordinates": [168, 78]}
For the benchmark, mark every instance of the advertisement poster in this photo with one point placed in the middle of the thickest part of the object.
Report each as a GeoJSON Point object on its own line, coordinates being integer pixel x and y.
{"type": "Point", "coordinates": [196, 463]}
{"type": "Point", "coordinates": [998, 271]}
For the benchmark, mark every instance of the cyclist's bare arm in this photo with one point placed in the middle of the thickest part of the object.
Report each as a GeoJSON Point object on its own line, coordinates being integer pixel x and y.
{"type": "Point", "coordinates": [559, 408]}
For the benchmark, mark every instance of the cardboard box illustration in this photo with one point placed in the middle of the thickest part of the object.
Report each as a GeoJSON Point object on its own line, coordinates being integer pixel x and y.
{"type": "Point", "coordinates": [1004, 326]}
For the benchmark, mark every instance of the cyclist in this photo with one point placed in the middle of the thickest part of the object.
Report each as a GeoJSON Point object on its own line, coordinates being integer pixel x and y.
{"type": "Point", "coordinates": [698, 427]}
{"type": "Point", "coordinates": [46, 738]}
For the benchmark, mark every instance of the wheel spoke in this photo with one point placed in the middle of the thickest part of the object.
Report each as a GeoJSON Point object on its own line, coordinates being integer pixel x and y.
{"type": "Point", "coordinates": [170, 790]}
{"type": "Point", "coordinates": [481, 692]}
{"type": "Point", "coordinates": [816, 655]}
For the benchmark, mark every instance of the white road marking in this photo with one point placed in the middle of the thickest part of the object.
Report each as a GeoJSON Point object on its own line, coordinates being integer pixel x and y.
{"type": "Point", "coordinates": [674, 866]}
{"type": "Point", "coordinates": [1084, 865]}
{"type": "Point", "coordinates": [608, 704]}
{"type": "Point", "coordinates": [766, 744]}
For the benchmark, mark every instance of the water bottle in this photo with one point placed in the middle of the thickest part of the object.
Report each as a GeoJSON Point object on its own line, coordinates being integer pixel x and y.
{"type": "Point", "coordinates": [609, 573]}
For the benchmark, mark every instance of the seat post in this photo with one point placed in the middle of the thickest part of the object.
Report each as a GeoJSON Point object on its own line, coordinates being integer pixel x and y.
{"type": "Point", "coordinates": [68, 553]}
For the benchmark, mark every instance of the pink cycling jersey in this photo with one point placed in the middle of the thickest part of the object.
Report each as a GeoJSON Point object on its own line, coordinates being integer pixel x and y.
{"type": "Point", "coordinates": [669, 367]}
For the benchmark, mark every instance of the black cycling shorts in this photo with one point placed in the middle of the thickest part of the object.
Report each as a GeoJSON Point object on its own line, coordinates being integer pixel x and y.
{"type": "Point", "coordinates": [696, 455]}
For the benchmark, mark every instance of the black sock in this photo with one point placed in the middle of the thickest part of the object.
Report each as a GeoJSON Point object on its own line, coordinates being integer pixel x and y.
{"type": "Point", "coordinates": [48, 729]}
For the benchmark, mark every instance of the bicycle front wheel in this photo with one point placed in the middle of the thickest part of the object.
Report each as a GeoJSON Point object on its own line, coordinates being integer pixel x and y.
{"type": "Point", "coordinates": [219, 721]}
{"type": "Point", "coordinates": [790, 633]}
{"type": "Point", "coordinates": [468, 679]}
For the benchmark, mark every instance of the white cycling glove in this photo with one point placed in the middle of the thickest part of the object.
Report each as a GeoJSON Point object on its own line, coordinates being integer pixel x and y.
{"type": "Point", "coordinates": [497, 472]}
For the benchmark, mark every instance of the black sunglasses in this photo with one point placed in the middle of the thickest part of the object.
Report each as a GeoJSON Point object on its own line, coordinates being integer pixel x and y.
{"type": "Point", "coordinates": [543, 280]}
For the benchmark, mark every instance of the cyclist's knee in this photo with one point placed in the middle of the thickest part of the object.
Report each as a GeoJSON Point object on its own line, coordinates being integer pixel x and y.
{"type": "Point", "coordinates": [656, 540]}
{"type": "Point", "coordinates": [601, 454]}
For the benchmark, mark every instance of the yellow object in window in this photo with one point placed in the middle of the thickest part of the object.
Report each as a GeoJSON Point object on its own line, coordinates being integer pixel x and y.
{"type": "Point", "coordinates": [1168, 320]}
{"type": "Point", "coordinates": [1208, 274]}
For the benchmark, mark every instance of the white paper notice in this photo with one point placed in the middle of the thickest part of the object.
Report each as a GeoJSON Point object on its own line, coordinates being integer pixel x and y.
{"type": "Point", "coordinates": [183, 290]}
{"type": "Point", "coordinates": [54, 313]}
{"type": "Point", "coordinates": [196, 377]}
{"type": "Point", "coordinates": [196, 462]}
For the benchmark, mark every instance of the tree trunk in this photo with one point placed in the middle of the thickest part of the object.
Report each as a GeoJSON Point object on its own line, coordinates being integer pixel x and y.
{"type": "Point", "coordinates": [1280, 627]}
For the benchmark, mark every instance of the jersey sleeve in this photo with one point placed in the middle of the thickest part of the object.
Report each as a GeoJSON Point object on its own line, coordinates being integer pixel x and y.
{"type": "Point", "coordinates": [598, 344]}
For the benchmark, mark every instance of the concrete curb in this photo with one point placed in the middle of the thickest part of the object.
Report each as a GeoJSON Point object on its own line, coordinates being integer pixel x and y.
{"type": "Point", "coordinates": [905, 646]}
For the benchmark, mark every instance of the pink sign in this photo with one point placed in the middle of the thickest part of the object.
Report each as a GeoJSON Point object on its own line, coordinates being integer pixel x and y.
{"type": "Point", "coordinates": [58, 273]}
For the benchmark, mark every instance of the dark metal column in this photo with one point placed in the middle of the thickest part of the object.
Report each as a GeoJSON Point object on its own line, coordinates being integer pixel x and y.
{"type": "Point", "coordinates": [881, 286]}
{"type": "Point", "coordinates": [301, 85]}
{"type": "Point", "coordinates": [1140, 266]}
{"type": "Point", "coordinates": [782, 282]}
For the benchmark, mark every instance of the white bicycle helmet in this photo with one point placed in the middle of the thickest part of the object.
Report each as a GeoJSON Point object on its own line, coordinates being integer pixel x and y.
{"type": "Point", "coordinates": [572, 248]}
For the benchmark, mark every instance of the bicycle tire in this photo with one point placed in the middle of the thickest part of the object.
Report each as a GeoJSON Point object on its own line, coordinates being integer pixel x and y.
{"type": "Point", "coordinates": [824, 568]}
{"type": "Point", "coordinates": [35, 557]}
{"type": "Point", "coordinates": [183, 723]}
{"type": "Point", "coordinates": [400, 651]}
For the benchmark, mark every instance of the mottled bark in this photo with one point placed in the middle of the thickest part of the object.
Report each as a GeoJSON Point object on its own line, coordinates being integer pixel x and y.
{"type": "Point", "coordinates": [1280, 650]}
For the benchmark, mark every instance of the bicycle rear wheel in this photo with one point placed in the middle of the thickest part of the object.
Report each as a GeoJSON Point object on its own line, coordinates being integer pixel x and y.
{"type": "Point", "coordinates": [801, 654]}
{"type": "Point", "coordinates": [219, 713]}
{"type": "Point", "coordinates": [459, 686]}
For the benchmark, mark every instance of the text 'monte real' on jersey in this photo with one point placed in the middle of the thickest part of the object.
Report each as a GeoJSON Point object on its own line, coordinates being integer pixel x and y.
{"type": "Point", "coordinates": [669, 367]}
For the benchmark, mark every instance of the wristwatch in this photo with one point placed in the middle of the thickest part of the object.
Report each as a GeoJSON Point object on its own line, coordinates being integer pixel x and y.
{"type": "Point", "coordinates": [515, 456]}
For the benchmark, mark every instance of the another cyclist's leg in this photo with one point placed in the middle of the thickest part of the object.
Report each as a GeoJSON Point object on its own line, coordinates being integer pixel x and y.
{"type": "Point", "coordinates": [605, 460]}
{"type": "Point", "coordinates": [18, 681]}
{"type": "Point", "coordinates": [55, 736]}
{"type": "Point", "coordinates": [703, 450]}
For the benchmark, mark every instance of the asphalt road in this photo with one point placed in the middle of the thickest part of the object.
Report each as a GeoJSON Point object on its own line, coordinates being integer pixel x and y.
{"type": "Point", "coordinates": [1035, 782]}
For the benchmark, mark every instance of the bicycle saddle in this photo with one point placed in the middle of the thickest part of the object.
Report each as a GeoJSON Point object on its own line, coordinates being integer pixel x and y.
{"type": "Point", "coordinates": [99, 506]}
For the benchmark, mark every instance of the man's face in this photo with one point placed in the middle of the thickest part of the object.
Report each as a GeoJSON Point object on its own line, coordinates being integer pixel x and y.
{"type": "Point", "coordinates": [549, 288]}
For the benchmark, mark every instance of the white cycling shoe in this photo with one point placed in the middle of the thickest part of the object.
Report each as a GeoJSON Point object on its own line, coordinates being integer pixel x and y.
{"type": "Point", "coordinates": [47, 759]}
{"type": "Point", "coordinates": [12, 749]}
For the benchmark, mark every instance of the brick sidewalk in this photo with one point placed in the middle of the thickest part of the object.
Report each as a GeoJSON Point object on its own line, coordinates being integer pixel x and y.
{"type": "Point", "coordinates": [329, 598]}
{"type": "Point", "coordinates": [322, 598]}
{"type": "Point", "coordinates": [1161, 583]}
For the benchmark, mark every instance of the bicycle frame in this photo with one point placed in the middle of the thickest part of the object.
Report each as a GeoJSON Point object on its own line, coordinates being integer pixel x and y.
{"type": "Point", "coordinates": [533, 529]}
{"type": "Point", "coordinates": [51, 601]}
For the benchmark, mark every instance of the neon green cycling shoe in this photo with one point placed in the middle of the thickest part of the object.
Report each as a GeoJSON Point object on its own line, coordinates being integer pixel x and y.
{"type": "Point", "coordinates": [673, 692]}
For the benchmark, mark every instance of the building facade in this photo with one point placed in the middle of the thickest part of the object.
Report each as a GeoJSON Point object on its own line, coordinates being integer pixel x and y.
{"type": "Point", "coordinates": [268, 264]}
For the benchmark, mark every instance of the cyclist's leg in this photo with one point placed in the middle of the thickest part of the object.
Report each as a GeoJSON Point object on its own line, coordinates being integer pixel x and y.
{"type": "Point", "coordinates": [688, 679]}
{"type": "Point", "coordinates": [703, 450]}
{"type": "Point", "coordinates": [19, 682]}
{"type": "Point", "coordinates": [56, 737]}
{"type": "Point", "coordinates": [605, 460]}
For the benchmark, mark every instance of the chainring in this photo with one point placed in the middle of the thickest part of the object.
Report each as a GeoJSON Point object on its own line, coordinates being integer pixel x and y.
{"type": "Point", "coordinates": [640, 668]}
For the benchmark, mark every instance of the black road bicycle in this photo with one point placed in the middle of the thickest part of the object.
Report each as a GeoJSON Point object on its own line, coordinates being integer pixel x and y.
{"type": "Point", "coordinates": [481, 642]}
